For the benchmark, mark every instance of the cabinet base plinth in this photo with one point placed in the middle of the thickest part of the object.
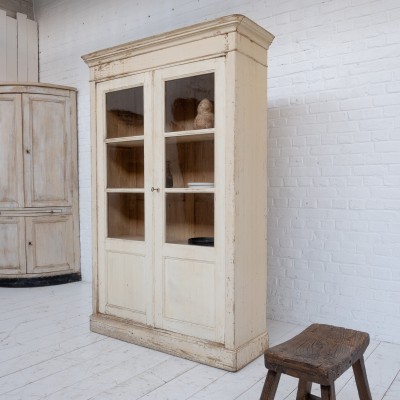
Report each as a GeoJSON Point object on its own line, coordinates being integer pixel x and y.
{"type": "Point", "coordinates": [36, 281]}
{"type": "Point", "coordinates": [199, 350]}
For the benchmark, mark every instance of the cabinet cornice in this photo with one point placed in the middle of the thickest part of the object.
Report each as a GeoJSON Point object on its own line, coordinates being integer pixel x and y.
{"type": "Point", "coordinates": [221, 26]}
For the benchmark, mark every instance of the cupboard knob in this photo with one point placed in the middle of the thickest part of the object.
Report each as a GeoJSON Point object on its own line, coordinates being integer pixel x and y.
{"type": "Point", "coordinates": [28, 151]}
{"type": "Point", "coordinates": [153, 189]}
{"type": "Point", "coordinates": [30, 243]}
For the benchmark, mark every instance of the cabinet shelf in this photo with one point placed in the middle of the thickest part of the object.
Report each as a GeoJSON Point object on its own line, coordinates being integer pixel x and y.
{"type": "Point", "coordinates": [137, 238]}
{"type": "Point", "coordinates": [191, 136]}
{"type": "Point", "coordinates": [189, 190]}
{"type": "Point", "coordinates": [123, 190]}
{"type": "Point", "coordinates": [128, 141]}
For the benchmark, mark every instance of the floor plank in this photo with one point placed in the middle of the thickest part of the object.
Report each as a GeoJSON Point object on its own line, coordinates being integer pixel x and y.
{"type": "Point", "coordinates": [48, 352]}
{"type": "Point", "coordinates": [393, 393]}
{"type": "Point", "coordinates": [382, 366]}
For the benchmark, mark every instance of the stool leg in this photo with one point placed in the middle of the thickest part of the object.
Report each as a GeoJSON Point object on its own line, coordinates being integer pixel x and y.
{"type": "Point", "coordinates": [270, 385]}
{"type": "Point", "coordinates": [328, 392]}
{"type": "Point", "coordinates": [361, 380]}
{"type": "Point", "coordinates": [303, 390]}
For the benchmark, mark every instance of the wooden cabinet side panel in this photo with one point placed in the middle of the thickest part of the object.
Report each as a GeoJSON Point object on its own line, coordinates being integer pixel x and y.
{"type": "Point", "coordinates": [47, 141]}
{"type": "Point", "coordinates": [250, 181]}
{"type": "Point", "coordinates": [12, 246]}
{"type": "Point", "coordinates": [72, 164]}
{"type": "Point", "coordinates": [11, 173]}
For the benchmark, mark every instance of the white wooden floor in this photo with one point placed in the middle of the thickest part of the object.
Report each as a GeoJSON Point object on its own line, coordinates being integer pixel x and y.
{"type": "Point", "coordinates": [48, 352]}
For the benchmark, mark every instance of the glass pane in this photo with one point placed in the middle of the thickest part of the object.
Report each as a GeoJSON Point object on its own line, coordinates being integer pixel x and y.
{"type": "Point", "coordinates": [190, 160]}
{"type": "Point", "coordinates": [126, 216]}
{"type": "Point", "coordinates": [125, 112]}
{"type": "Point", "coordinates": [125, 165]}
{"type": "Point", "coordinates": [190, 218]}
{"type": "Point", "coordinates": [189, 103]}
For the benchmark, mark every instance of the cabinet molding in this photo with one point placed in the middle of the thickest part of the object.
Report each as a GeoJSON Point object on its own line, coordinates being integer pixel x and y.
{"type": "Point", "coordinates": [179, 136]}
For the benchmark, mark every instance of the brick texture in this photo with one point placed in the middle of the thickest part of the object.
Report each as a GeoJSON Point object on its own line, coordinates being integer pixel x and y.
{"type": "Point", "coordinates": [334, 141]}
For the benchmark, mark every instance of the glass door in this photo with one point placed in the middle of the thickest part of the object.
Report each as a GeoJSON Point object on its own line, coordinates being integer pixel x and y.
{"type": "Point", "coordinates": [188, 121]}
{"type": "Point", "coordinates": [124, 144]}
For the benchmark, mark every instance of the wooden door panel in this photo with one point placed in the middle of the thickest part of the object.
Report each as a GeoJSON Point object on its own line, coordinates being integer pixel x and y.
{"type": "Point", "coordinates": [49, 244]}
{"type": "Point", "coordinates": [189, 297]}
{"type": "Point", "coordinates": [11, 178]}
{"type": "Point", "coordinates": [12, 246]}
{"type": "Point", "coordinates": [47, 150]}
{"type": "Point", "coordinates": [126, 286]}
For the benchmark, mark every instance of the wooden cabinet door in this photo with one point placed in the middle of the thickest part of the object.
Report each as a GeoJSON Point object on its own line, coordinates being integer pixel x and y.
{"type": "Point", "coordinates": [189, 279]}
{"type": "Point", "coordinates": [124, 215]}
{"type": "Point", "coordinates": [11, 174]}
{"type": "Point", "coordinates": [12, 246]}
{"type": "Point", "coordinates": [47, 148]}
{"type": "Point", "coordinates": [49, 244]}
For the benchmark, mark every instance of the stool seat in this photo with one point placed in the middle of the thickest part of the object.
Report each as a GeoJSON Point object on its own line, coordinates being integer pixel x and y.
{"type": "Point", "coordinates": [319, 354]}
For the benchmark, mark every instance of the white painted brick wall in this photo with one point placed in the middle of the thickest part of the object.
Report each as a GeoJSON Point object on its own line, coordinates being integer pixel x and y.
{"type": "Point", "coordinates": [334, 140]}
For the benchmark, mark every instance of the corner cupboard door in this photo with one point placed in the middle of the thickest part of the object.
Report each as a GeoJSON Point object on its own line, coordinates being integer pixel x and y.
{"type": "Point", "coordinates": [189, 207]}
{"type": "Point", "coordinates": [123, 213]}
{"type": "Point", "coordinates": [12, 245]}
{"type": "Point", "coordinates": [47, 150]}
{"type": "Point", "coordinates": [49, 244]}
{"type": "Point", "coordinates": [11, 173]}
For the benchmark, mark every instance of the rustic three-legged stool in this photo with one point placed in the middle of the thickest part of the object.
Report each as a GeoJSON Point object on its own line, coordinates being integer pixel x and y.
{"type": "Point", "coordinates": [319, 354]}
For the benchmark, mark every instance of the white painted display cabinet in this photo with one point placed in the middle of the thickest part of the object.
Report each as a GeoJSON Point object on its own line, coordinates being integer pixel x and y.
{"type": "Point", "coordinates": [179, 135]}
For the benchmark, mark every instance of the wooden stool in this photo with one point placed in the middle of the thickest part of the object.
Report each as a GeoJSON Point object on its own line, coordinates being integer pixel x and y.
{"type": "Point", "coordinates": [319, 354]}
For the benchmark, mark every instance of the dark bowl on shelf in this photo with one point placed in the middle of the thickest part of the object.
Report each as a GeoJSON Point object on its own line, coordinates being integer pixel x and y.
{"type": "Point", "coordinates": [202, 241]}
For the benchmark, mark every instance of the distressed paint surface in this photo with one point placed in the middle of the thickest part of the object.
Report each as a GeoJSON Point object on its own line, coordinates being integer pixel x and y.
{"type": "Point", "coordinates": [205, 304]}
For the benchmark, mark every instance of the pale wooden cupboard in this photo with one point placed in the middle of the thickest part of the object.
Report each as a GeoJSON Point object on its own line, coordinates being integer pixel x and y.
{"type": "Point", "coordinates": [39, 226]}
{"type": "Point", "coordinates": [179, 133]}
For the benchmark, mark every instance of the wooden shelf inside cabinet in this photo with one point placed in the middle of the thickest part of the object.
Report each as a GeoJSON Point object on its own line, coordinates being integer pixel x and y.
{"type": "Point", "coordinates": [129, 141]}
{"type": "Point", "coordinates": [189, 190]}
{"type": "Point", "coordinates": [191, 136]}
{"type": "Point", "coordinates": [135, 238]}
{"type": "Point", "coordinates": [123, 190]}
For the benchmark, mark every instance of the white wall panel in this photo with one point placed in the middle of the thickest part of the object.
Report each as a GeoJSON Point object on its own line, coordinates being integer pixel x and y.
{"type": "Point", "coordinates": [12, 51]}
{"type": "Point", "coordinates": [18, 48]}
